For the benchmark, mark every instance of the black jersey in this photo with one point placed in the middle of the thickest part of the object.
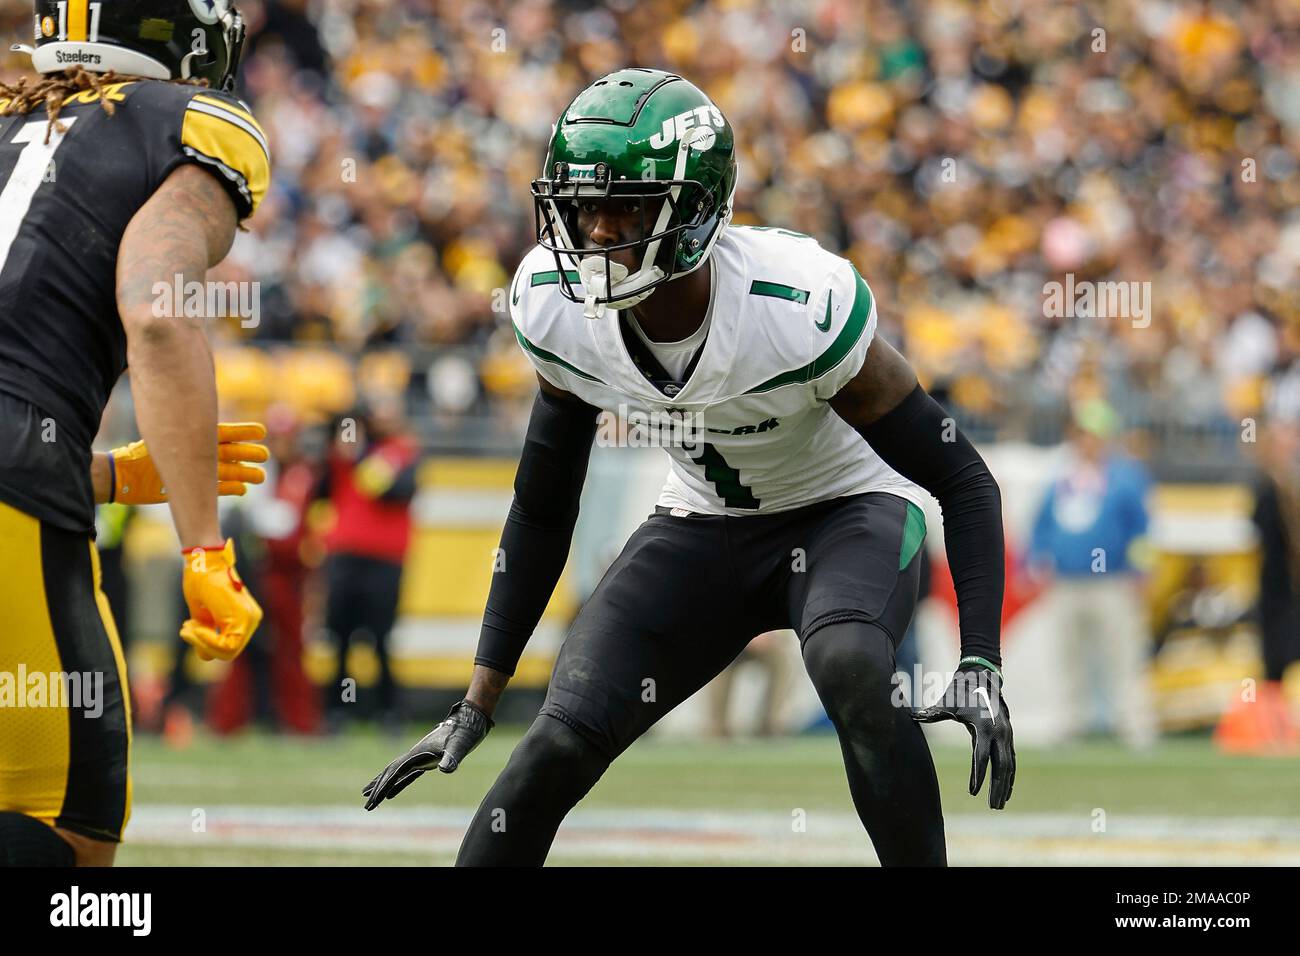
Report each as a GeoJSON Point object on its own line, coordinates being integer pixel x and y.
{"type": "Point", "coordinates": [64, 206]}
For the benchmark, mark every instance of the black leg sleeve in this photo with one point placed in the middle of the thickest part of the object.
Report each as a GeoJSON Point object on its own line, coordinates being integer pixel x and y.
{"type": "Point", "coordinates": [551, 769]}
{"type": "Point", "coordinates": [891, 774]}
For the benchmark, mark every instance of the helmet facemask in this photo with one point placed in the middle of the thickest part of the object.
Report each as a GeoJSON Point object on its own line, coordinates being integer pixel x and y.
{"type": "Point", "coordinates": [677, 206]}
{"type": "Point", "coordinates": [231, 29]}
{"type": "Point", "coordinates": [234, 32]}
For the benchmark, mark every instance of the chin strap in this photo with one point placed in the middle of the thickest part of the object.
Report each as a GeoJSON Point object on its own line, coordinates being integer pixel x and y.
{"type": "Point", "coordinates": [591, 269]}
{"type": "Point", "coordinates": [594, 280]}
{"type": "Point", "coordinates": [626, 303]}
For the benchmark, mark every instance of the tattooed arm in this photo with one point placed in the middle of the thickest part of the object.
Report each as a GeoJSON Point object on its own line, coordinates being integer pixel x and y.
{"type": "Point", "coordinates": [185, 228]}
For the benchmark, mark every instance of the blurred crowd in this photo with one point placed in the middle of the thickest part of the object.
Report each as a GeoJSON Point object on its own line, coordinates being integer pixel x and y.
{"type": "Point", "coordinates": [964, 154]}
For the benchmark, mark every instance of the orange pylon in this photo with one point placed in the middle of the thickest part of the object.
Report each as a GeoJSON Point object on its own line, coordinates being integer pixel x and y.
{"type": "Point", "coordinates": [1263, 726]}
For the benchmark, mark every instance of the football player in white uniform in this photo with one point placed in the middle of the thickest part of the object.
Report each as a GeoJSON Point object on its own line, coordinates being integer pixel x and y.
{"type": "Point", "coordinates": [800, 447]}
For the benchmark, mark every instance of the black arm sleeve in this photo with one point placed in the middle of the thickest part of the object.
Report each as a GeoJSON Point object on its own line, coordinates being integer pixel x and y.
{"type": "Point", "coordinates": [536, 537]}
{"type": "Point", "coordinates": [911, 440]}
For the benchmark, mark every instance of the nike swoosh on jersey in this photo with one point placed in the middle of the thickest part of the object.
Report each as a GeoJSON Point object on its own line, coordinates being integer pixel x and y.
{"type": "Point", "coordinates": [825, 324]}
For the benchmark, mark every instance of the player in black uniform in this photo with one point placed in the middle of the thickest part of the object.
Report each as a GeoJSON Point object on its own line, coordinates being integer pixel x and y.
{"type": "Point", "coordinates": [135, 174]}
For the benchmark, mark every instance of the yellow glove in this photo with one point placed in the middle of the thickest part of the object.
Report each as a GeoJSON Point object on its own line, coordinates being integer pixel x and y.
{"type": "Point", "coordinates": [136, 480]}
{"type": "Point", "coordinates": [223, 613]}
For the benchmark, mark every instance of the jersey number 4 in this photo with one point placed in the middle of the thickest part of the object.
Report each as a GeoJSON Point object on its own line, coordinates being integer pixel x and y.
{"type": "Point", "coordinates": [34, 162]}
{"type": "Point", "coordinates": [725, 478]}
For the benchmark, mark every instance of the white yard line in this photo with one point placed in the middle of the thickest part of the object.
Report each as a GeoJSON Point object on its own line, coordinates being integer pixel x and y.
{"type": "Point", "coordinates": [740, 836]}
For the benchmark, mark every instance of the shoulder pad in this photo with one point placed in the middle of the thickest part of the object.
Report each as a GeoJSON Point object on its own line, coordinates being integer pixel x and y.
{"type": "Point", "coordinates": [220, 131]}
{"type": "Point", "coordinates": [549, 327]}
{"type": "Point", "coordinates": [815, 315]}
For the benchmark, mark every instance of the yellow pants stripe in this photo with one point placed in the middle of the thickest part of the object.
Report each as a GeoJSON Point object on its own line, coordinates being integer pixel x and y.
{"type": "Point", "coordinates": [62, 761]}
{"type": "Point", "coordinates": [34, 743]}
{"type": "Point", "coordinates": [119, 658]}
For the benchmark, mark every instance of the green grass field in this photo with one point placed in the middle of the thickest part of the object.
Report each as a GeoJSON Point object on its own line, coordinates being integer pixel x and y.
{"type": "Point", "coordinates": [264, 800]}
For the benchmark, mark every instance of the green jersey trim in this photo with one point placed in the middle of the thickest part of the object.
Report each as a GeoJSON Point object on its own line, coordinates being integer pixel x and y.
{"type": "Point", "coordinates": [838, 350]}
{"type": "Point", "coordinates": [913, 535]}
{"type": "Point", "coordinates": [778, 291]}
{"type": "Point", "coordinates": [546, 356]}
{"type": "Point", "coordinates": [552, 278]}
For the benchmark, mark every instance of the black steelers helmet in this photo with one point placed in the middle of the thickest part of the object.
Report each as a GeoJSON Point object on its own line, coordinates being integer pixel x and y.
{"type": "Point", "coordinates": [158, 39]}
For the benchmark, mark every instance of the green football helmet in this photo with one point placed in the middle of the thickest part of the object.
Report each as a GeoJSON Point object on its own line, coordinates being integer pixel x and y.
{"type": "Point", "coordinates": [647, 135]}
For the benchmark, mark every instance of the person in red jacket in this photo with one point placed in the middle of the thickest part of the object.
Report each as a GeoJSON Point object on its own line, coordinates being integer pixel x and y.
{"type": "Point", "coordinates": [370, 482]}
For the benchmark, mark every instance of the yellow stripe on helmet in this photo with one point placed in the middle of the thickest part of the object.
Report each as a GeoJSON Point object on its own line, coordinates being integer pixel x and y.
{"type": "Point", "coordinates": [77, 18]}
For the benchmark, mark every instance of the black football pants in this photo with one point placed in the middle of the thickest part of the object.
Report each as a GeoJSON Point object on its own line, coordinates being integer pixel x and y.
{"type": "Point", "coordinates": [678, 605]}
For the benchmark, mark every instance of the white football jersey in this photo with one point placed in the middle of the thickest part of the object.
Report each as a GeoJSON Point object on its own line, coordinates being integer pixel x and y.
{"type": "Point", "coordinates": [751, 430]}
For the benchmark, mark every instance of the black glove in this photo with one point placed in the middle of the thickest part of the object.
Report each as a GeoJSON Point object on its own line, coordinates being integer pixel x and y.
{"type": "Point", "coordinates": [443, 747]}
{"type": "Point", "coordinates": [975, 699]}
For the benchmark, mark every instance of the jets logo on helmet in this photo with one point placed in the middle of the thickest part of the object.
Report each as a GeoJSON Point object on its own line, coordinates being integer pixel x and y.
{"type": "Point", "coordinates": [157, 39]}
{"type": "Point", "coordinates": [676, 127]}
{"type": "Point", "coordinates": [645, 135]}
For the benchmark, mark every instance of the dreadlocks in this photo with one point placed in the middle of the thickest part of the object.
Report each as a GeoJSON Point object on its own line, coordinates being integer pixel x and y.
{"type": "Point", "coordinates": [56, 89]}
